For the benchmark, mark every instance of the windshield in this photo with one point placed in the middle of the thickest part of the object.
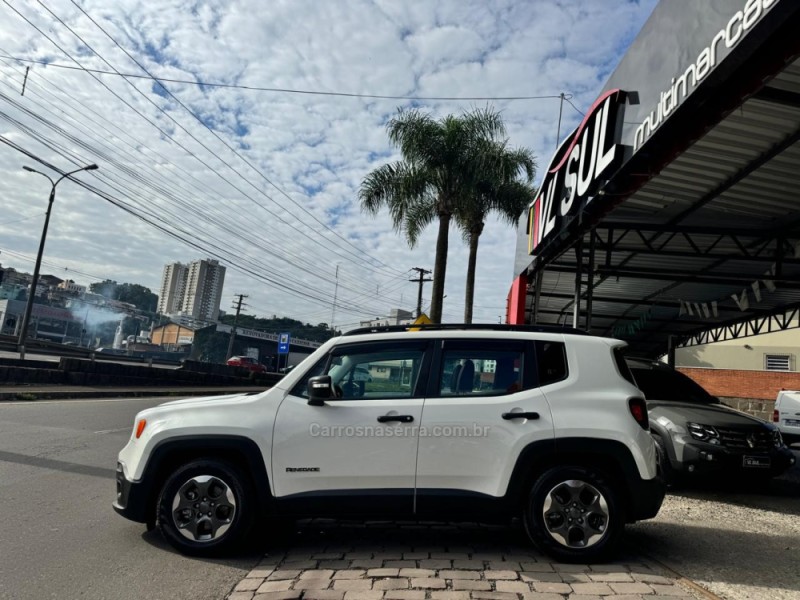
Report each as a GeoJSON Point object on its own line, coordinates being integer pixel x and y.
{"type": "Point", "coordinates": [665, 384]}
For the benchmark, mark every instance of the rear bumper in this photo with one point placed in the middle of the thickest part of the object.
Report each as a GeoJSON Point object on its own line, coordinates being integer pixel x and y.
{"type": "Point", "coordinates": [133, 499]}
{"type": "Point", "coordinates": [645, 499]}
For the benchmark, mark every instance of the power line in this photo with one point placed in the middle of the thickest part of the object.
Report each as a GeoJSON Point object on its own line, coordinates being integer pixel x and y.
{"type": "Point", "coordinates": [21, 219]}
{"type": "Point", "coordinates": [152, 215]}
{"type": "Point", "coordinates": [123, 166]}
{"type": "Point", "coordinates": [282, 90]}
{"type": "Point", "coordinates": [203, 123]}
{"type": "Point", "coordinates": [217, 252]}
{"type": "Point", "coordinates": [312, 238]}
{"type": "Point", "coordinates": [578, 110]}
{"type": "Point", "coordinates": [29, 258]}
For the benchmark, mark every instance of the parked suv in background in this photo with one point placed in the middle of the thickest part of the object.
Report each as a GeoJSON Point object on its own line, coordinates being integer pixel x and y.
{"type": "Point", "coordinates": [696, 434]}
{"type": "Point", "coordinates": [459, 422]}
{"type": "Point", "coordinates": [248, 362]}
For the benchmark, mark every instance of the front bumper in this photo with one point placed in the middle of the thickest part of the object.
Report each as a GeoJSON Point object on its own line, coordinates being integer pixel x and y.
{"type": "Point", "coordinates": [700, 458]}
{"type": "Point", "coordinates": [133, 499]}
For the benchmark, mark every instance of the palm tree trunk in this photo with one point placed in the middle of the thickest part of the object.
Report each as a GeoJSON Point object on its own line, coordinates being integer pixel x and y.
{"type": "Point", "coordinates": [439, 268]}
{"type": "Point", "coordinates": [469, 293]}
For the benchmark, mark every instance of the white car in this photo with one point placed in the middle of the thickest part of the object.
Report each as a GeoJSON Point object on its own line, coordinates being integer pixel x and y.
{"type": "Point", "coordinates": [787, 415]}
{"type": "Point", "coordinates": [481, 423]}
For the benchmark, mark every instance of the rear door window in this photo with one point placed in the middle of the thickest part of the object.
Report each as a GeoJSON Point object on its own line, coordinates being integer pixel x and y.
{"type": "Point", "coordinates": [481, 368]}
{"type": "Point", "coordinates": [551, 359]}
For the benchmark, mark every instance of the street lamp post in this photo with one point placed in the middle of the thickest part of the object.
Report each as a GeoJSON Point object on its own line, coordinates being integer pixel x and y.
{"type": "Point", "coordinates": [23, 333]}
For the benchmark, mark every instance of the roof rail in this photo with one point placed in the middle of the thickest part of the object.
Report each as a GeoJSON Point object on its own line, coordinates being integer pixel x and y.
{"type": "Point", "coordinates": [466, 327]}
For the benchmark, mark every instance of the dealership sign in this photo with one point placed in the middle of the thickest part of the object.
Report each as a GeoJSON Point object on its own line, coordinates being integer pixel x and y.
{"type": "Point", "coordinates": [584, 160]}
{"type": "Point", "coordinates": [734, 31]}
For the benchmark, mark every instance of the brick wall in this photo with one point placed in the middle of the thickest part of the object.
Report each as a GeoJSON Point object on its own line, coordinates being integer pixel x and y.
{"type": "Point", "coordinates": [753, 392]}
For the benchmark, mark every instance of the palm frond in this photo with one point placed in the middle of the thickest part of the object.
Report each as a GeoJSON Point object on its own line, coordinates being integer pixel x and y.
{"type": "Point", "coordinates": [418, 216]}
{"type": "Point", "coordinates": [403, 189]}
{"type": "Point", "coordinates": [416, 134]}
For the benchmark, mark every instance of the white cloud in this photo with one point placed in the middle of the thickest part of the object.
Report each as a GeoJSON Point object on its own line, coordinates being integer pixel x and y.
{"type": "Point", "coordinates": [316, 149]}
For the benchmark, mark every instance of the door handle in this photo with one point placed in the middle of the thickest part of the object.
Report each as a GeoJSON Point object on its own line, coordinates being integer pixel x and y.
{"type": "Point", "coordinates": [520, 415]}
{"type": "Point", "coordinates": [398, 418]}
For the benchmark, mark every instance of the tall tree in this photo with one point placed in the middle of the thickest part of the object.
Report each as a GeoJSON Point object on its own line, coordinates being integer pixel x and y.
{"type": "Point", "coordinates": [439, 168]}
{"type": "Point", "coordinates": [499, 190]}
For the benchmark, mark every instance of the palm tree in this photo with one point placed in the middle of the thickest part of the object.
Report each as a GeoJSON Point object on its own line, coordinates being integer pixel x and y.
{"type": "Point", "coordinates": [439, 169]}
{"type": "Point", "coordinates": [498, 190]}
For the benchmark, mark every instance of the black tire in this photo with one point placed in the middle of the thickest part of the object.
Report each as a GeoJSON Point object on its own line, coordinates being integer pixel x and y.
{"type": "Point", "coordinates": [206, 508]}
{"type": "Point", "coordinates": [665, 469]}
{"type": "Point", "coordinates": [579, 501]}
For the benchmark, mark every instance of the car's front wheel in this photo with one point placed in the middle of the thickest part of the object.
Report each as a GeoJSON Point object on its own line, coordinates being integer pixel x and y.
{"type": "Point", "coordinates": [206, 507]}
{"type": "Point", "coordinates": [574, 514]}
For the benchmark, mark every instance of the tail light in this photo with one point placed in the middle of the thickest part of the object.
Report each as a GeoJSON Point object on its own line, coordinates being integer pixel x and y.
{"type": "Point", "coordinates": [775, 417]}
{"type": "Point", "coordinates": [638, 408]}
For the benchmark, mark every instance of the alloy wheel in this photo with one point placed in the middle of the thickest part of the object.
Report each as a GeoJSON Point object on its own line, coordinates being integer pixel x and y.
{"type": "Point", "coordinates": [575, 514]}
{"type": "Point", "coordinates": [203, 508]}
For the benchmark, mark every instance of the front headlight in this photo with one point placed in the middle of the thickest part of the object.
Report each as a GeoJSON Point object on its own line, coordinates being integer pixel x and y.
{"type": "Point", "coordinates": [704, 433]}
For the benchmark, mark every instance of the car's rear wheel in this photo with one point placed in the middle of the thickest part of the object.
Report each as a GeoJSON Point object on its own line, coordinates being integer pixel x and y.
{"type": "Point", "coordinates": [206, 508]}
{"type": "Point", "coordinates": [574, 514]}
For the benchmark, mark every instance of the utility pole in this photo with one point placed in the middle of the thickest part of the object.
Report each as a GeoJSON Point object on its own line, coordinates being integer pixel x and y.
{"type": "Point", "coordinates": [420, 280]}
{"type": "Point", "coordinates": [333, 306]}
{"type": "Point", "coordinates": [238, 306]}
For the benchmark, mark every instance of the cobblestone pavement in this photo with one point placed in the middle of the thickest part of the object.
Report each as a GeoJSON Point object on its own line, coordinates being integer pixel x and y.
{"type": "Point", "coordinates": [329, 560]}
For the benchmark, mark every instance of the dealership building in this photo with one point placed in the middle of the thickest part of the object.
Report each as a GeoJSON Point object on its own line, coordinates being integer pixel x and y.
{"type": "Point", "coordinates": [670, 217]}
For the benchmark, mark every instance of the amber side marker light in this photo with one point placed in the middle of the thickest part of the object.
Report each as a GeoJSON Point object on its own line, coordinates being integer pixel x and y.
{"type": "Point", "coordinates": [140, 427]}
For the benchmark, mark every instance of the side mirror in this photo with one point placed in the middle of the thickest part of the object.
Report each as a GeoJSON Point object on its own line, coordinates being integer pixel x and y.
{"type": "Point", "coordinates": [320, 388]}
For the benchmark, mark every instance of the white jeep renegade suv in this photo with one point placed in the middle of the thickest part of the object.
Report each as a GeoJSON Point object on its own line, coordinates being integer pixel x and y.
{"type": "Point", "coordinates": [455, 422]}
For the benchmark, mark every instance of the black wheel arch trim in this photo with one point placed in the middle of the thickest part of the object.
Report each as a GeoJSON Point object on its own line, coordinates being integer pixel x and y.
{"type": "Point", "coordinates": [611, 457]}
{"type": "Point", "coordinates": [140, 499]}
{"type": "Point", "coordinates": [663, 433]}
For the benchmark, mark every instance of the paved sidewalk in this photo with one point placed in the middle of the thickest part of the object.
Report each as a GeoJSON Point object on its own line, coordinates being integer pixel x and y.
{"type": "Point", "coordinates": [330, 560]}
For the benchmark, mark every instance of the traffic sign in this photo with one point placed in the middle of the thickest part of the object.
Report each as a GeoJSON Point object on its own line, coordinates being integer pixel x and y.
{"type": "Point", "coordinates": [283, 343]}
{"type": "Point", "coordinates": [422, 319]}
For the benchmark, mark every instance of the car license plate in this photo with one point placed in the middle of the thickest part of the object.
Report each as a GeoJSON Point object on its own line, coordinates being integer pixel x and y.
{"type": "Point", "coordinates": [792, 422]}
{"type": "Point", "coordinates": [756, 461]}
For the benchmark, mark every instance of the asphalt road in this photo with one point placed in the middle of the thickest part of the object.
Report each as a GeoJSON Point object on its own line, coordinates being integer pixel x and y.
{"type": "Point", "coordinates": [60, 538]}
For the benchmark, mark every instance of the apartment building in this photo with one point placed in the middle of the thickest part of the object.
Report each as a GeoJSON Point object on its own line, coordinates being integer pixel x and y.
{"type": "Point", "coordinates": [193, 290]}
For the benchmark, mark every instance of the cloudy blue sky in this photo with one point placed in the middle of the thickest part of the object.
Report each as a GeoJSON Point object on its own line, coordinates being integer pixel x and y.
{"type": "Point", "coordinates": [267, 181]}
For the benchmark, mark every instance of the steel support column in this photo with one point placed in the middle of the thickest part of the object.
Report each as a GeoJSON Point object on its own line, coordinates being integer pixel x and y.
{"type": "Point", "coordinates": [537, 294]}
{"type": "Point", "coordinates": [590, 282]}
{"type": "Point", "coordinates": [671, 351]}
{"type": "Point", "coordinates": [576, 304]}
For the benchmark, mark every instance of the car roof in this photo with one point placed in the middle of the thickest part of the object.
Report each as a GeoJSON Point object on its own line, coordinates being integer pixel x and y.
{"type": "Point", "coordinates": [465, 327]}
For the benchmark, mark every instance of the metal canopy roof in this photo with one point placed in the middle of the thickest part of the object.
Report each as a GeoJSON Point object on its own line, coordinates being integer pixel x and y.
{"type": "Point", "coordinates": [722, 219]}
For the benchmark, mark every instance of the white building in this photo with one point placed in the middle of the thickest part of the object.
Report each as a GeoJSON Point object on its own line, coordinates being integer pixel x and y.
{"type": "Point", "coordinates": [397, 316]}
{"type": "Point", "coordinates": [173, 286]}
{"type": "Point", "coordinates": [72, 287]}
{"type": "Point", "coordinates": [192, 290]}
